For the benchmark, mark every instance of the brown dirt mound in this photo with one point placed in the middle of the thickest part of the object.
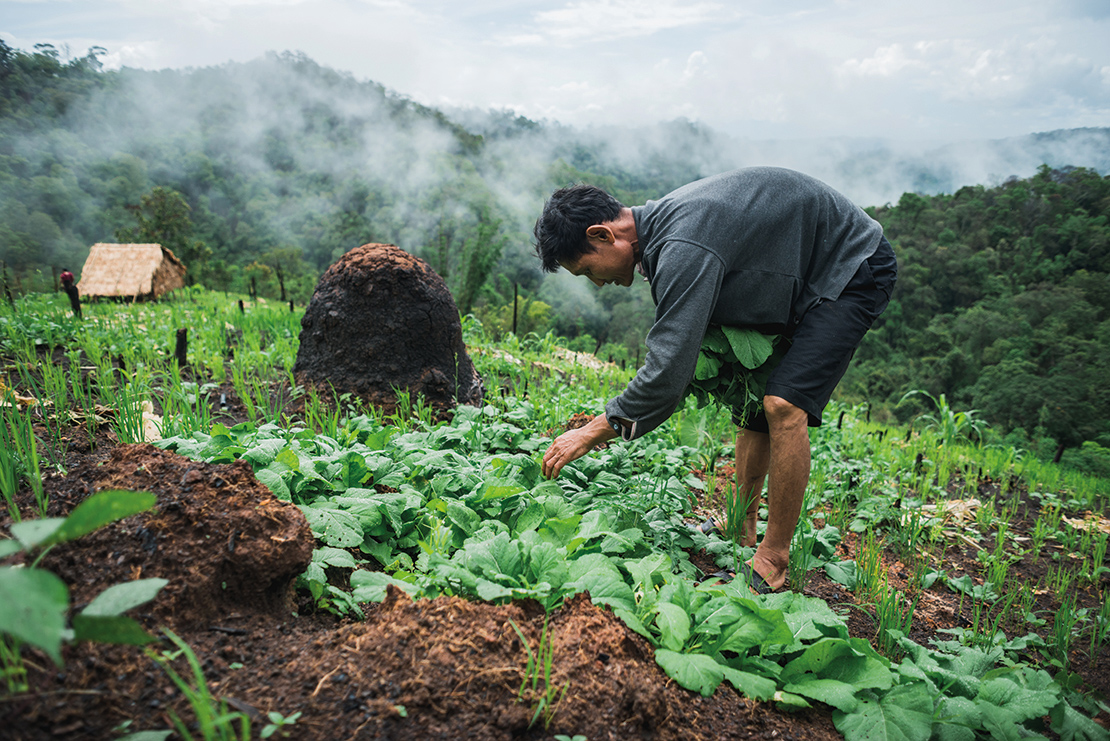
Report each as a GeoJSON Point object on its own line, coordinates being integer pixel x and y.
{"type": "Point", "coordinates": [218, 535]}
{"type": "Point", "coordinates": [381, 319]}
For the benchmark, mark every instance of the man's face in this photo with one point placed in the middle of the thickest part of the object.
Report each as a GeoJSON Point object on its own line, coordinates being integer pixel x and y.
{"type": "Point", "coordinates": [612, 261]}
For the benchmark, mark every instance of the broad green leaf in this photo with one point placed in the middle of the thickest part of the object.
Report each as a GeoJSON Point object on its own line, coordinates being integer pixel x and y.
{"type": "Point", "coordinates": [707, 367]}
{"type": "Point", "coordinates": [8, 547]}
{"type": "Point", "coordinates": [836, 658]}
{"type": "Point", "coordinates": [491, 591]}
{"type": "Point", "coordinates": [464, 517]}
{"type": "Point", "coordinates": [101, 509]}
{"type": "Point", "coordinates": [369, 586]}
{"type": "Point", "coordinates": [1000, 722]}
{"type": "Point", "coordinates": [956, 720]}
{"type": "Point", "coordinates": [633, 622]}
{"type": "Point", "coordinates": [598, 575]}
{"type": "Point", "coordinates": [383, 552]}
{"type": "Point", "coordinates": [905, 713]}
{"type": "Point", "coordinates": [840, 695]}
{"type": "Point", "coordinates": [498, 557]}
{"type": "Point", "coordinates": [531, 518]}
{"type": "Point", "coordinates": [546, 564]}
{"type": "Point", "coordinates": [275, 483]}
{"type": "Point", "coordinates": [119, 598]}
{"type": "Point", "coordinates": [562, 529]}
{"type": "Point", "coordinates": [842, 572]}
{"type": "Point", "coordinates": [750, 347]}
{"type": "Point", "coordinates": [33, 605]}
{"type": "Point", "coordinates": [117, 629]}
{"type": "Point", "coordinates": [674, 625]}
{"type": "Point", "coordinates": [752, 685]}
{"type": "Point", "coordinates": [696, 672]}
{"type": "Point", "coordinates": [263, 453]}
{"type": "Point", "coordinates": [716, 341]}
{"type": "Point", "coordinates": [1074, 726]}
{"type": "Point", "coordinates": [336, 557]}
{"type": "Point", "coordinates": [334, 526]}
{"type": "Point", "coordinates": [31, 533]}
{"type": "Point", "coordinates": [1023, 702]}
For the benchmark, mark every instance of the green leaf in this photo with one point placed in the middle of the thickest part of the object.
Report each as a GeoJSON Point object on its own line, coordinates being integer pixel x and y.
{"type": "Point", "coordinates": [369, 586]}
{"type": "Point", "coordinates": [696, 672]}
{"type": "Point", "coordinates": [598, 575]}
{"type": "Point", "coordinates": [33, 604]}
{"type": "Point", "coordinates": [849, 660]}
{"type": "Point", "coordinates": [957, 717]}
{"type": "Point", "coordinates": [31, 533]}
{"type": "Point", "coordinates": [842, 572]}
{"type": "Point", "coordinates": [491, 591]}
{"type": "Point", "coordinates": [750, 347]}
{"type": "Point", "coordinates": [707, 367]}
{"type": "Point", "coordinates": [264, 453]}
{"type": "Point", "coordinates": [840, 695]}
{"type": "Point", "coordinates": [119, 598]}
{"type": "Point", "coordinates": [530, 519]}
{"type": "Point", "coordinates": [752, 685]}
{"type": "Point", "coordinates": [905, 713]}
{"type": "Point", "coordinates": [1074, 726]}
{"type": "Point", "coordinates": [334, 557]}
{"type": "Point", "coordinates": [334, 526]}
{"type": "Point", "coordinates": [275, 483]}
{"type": "Point", "coordinates": [464, 517]}
{"type": "Point", "coordinates": [674, 625]}
{"type": "Point", "coordinates": [1024, 702]}
{"type": "Point", "coordinates": [117, 629]}
{"type": "Point", "coordinates": [101, 509]}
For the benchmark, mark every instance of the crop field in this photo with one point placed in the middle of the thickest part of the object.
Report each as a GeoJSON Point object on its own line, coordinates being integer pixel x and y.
{"type": "Point", "coordinates": [209, 550]}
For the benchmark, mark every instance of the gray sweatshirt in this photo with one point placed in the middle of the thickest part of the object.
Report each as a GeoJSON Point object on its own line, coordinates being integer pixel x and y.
{"type": "Point", "coordinates": [755, 247]}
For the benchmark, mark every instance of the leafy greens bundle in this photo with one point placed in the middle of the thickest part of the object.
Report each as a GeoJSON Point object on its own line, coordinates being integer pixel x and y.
{"type": "Point", "coordinates": [733, 367]}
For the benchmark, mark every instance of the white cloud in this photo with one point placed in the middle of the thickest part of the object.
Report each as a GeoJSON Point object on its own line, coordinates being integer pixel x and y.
{"type": "Point", "coordinates": [607, 20]}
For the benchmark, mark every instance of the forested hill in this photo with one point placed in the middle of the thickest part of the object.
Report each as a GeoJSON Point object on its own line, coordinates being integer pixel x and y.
{"type": "Point", "coordinates": [261, 174]}
{"type": "Point", "coordinates": [1003, 305]}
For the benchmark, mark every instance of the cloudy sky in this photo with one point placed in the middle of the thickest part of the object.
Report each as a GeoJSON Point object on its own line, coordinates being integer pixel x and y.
{"type": "Point", "coordinates": [938, 70]}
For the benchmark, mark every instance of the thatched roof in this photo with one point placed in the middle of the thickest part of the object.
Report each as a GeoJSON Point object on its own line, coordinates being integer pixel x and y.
{"type": "Point", "coordinates": [130, 270]}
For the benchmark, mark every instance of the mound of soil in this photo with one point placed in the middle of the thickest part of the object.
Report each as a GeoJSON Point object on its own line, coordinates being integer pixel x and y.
{"type": "Point", "coordinates": [218, 535]}
{"type": "Point", "coordinates": [443, 668]}
{"type": "Point", "coordinates": [382, 319]}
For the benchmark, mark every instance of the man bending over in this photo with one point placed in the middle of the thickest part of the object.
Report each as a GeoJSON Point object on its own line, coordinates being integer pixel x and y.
{"type": "Point", "coordinates": [763, 248]}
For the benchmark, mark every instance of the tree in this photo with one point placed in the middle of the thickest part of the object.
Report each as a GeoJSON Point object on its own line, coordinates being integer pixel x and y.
{"type": "Point", "coordinates": [163, 217]}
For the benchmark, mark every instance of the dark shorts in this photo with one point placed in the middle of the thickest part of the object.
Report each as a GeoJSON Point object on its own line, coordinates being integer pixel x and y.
{"type": "Point", "coordinates": [825, 340]}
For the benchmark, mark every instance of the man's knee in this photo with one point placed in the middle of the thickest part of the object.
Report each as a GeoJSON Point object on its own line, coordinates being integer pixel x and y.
{"type": "Point", "coordinates": [781, 413]}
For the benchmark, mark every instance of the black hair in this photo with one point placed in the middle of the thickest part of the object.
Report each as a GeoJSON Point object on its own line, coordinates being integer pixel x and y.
{"type": "Point", "coordinates": [561, 229]}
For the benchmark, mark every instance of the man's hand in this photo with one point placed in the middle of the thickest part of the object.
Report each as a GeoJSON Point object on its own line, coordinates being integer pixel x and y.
{"type": "Point", "coordinates": [573, 444]}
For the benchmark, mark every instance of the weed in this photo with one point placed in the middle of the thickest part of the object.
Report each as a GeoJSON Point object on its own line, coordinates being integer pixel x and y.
{"type": "Point", "coordinates": [537, 687]}
{"type": "Point", "coordinates": [214, 720]}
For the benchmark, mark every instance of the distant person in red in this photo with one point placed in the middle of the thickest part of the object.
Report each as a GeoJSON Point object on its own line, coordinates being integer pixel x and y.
{"type": "Point", "coordinates": [71, 290]}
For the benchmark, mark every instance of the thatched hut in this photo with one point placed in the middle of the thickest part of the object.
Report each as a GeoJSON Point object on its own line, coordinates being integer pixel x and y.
{"type": "Point", "coordinates": [134, 271]}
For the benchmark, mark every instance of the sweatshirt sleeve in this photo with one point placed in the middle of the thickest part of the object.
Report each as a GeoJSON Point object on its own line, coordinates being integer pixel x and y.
{"type": "Point", "coordinates": [688, 281]}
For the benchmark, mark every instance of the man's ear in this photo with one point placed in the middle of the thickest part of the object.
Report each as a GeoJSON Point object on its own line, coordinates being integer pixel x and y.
{"type": "Point", "coordinates": [600, 232]}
